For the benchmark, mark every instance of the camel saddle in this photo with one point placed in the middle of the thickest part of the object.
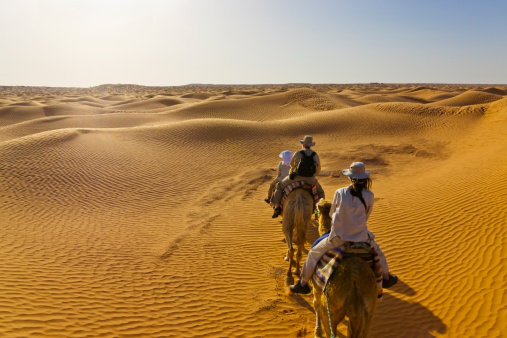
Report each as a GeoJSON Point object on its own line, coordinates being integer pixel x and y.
{"type": "Point", "coordinates": [306, 185]}
{"type": "Point", "coordinates": [331, 260]}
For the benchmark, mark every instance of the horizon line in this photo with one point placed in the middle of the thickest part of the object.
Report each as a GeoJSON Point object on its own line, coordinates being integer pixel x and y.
{"type": "Point", "coordinates": [260, 84]}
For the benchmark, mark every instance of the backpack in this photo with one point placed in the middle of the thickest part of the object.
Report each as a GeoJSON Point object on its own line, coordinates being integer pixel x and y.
{"type": "Point", "coordinates": [307, 166]}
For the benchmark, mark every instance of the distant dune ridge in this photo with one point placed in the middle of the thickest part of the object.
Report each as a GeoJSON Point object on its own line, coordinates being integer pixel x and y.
{"type": "Point", "coordinates": [129, 210]}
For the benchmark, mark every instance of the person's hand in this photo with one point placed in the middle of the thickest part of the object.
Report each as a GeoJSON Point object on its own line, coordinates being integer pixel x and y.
{"type": "Point", "coordinates": [292, 175]}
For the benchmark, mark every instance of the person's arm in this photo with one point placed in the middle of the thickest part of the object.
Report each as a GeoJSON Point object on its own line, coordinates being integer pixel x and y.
{"type": "Point", "coordinates": [317, 162]}
{"type": "Point", "coordinates": [295, 161]}
{"type": "Point", "coordinates": [279, 171]}
{"type": "Point", "coordinates": [370, 206]}
{"type": "Point", "coordinates": [335, 203]}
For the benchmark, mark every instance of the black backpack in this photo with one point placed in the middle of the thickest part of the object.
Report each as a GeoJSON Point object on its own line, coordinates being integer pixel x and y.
{"type": "Point", "coordinates": [307, 165]}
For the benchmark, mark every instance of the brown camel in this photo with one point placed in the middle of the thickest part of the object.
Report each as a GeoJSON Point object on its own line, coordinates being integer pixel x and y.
{"type": "Point", "coordinates": [351, 292]}
{"type": "Point", "coordinates": [297, 213]}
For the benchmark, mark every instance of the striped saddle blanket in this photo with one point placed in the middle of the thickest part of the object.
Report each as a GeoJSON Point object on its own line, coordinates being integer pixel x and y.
{"type": "Point", "coordinates": [331, 260]}
{"type": "Point", "coordinates": [300, 184]}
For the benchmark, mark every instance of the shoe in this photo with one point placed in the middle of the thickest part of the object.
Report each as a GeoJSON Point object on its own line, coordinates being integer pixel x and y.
{"type": "Point", "coordinates": [387, 283]}
{"type": "Point", "coordinates": [300, 289]}
{"type": "Point", "coordinates": [286, 258]}
{"type": "Point", "coordinates": [267, 200]}
{"type": "Point", "coordinates": [277, 212]}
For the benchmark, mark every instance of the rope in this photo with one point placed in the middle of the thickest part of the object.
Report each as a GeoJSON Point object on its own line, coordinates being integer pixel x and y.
{"type": "Point", "coordinates": [329, 313]}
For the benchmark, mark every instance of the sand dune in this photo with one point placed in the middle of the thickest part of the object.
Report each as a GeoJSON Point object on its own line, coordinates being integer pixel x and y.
{"type": "Point", "coordinates": [494, 90]}
{"type": "Point", "coordinates": [66, 109]}
{"type": "Point", "coordinates": [83, 99]}
{"type": "Point", "coordinates": [276, 106]}
{"type": "Point", "coordinates": [12, 115]}
{"type": "Point", "coordinates": [152, 103]}
{"type": "Point", "coordinates": [114, 98]}
{"type": "Point", "coordinates": [468, 98]}
{"type": "Point", "coordinates": [377, 98]}
{"type": "Point", "coordinates": [138, 211]}
{"type": "Point", "coordinates": [429, 94]}
{"type": "Point", "coordinates": [25, 104]}
{"type": "Point", "coordinates": [199, 96]}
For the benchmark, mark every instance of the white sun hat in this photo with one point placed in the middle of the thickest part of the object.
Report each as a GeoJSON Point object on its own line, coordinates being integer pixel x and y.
{"type": "Point", "coordinates": [286, 155]}
{"type": "Point", "coordinates": [357, 170]}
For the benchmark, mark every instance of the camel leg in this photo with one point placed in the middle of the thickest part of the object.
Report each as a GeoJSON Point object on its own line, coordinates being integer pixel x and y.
{"type": "Point", "coordinates": [290, 280]}
{"type": "Point", "coordinates": [337, 318]}
{"type": "Point", "coordinates": [318, 310]}
{"type": "Point", "coordinates": [337, 315]}
{"type": "Point", "coordinates": [287, 230]}
{"type": "Point", "coordinates": [324, 318]}
{"type": "Point", "coordinates": [290, 256]}
{"type": "Point", "coordinates": [299, 255]}
{"type": "Point", "coordinates": [359, 325]}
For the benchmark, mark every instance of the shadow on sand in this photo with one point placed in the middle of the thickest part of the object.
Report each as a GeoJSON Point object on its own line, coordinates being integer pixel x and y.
{"type": "Point", "coordinates": [403, 288]}
{"type": "Point", "coordinates": [408, 319]}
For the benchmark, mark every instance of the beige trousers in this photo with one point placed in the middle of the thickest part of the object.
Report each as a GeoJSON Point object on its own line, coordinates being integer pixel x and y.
{"type": "Point", "coordinates": [272, 187]}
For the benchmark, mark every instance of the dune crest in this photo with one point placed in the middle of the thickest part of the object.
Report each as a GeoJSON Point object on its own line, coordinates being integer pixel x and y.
{"type": "Point", "coordinates": [310, 99]}
{"type": "Point", "coordinates": [468, 98]}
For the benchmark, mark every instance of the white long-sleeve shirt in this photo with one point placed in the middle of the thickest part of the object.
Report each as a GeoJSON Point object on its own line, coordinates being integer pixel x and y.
{"type": "Point", "coordinates": [283, 170]}
{"type": "Point", "coordinates": [349, 216]}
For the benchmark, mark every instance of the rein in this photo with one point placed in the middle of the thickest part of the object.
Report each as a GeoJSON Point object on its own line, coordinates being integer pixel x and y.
{"type": "Point", "coordinates": [329, 313]}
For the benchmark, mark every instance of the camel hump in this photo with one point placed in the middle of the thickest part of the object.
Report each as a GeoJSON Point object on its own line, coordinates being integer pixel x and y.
{"type": "Point", "coordinates": [361, 250]}
{"type": "Point", "coordinates": [333, 258]}
{"type": "Point", "coordinates": [306, 185]}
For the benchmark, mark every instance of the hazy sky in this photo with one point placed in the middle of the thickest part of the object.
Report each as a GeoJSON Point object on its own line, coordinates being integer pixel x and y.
{"type": "Point", "coordinates": [177, 42]}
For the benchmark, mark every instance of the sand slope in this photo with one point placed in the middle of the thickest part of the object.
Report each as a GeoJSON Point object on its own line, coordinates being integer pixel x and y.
{"type": "Point", "coordinates": [138, 211]}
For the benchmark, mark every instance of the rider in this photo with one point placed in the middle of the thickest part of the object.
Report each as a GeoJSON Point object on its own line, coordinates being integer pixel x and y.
{"type": "Point", "coordinates": [350, 210]}
{"type": "Point", "coordinates": [298, 174]}
{"type": "Point", "coordinates": [282, 172]}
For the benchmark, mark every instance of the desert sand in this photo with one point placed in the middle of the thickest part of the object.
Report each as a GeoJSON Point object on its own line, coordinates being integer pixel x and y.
{"type": "Point", "coordinates": [131, 211]}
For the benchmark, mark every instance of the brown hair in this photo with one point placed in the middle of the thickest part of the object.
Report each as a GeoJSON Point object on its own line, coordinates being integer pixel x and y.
{"type": "Point", "coordinates": [357, 187]}
{"type": "Point", "coordinates": [360, 184]}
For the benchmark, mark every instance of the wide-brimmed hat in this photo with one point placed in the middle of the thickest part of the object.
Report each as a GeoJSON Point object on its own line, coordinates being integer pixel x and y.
{"type": "Point", "coordinates": [308, 141]}
{"type": "Point", "coordinates": [357, 170]}
{"type": "Point", "coordinates": [286, 155]}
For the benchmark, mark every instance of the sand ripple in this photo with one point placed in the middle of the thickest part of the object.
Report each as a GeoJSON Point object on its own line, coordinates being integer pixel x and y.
{"type": "Point", "coordinates": [135, 211]}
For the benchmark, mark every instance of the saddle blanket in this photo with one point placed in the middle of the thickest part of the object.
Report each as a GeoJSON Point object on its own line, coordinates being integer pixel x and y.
{"type": "Point", "coordinates": [332, 259]}
{"type": "Point", "coordinates": [299, 184]}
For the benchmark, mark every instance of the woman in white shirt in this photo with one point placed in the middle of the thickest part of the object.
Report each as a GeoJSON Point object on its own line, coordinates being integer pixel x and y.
{"type": "Point", "coordinates": [281, 173]}
{"type": "Point", "coordinates": [350, 210]}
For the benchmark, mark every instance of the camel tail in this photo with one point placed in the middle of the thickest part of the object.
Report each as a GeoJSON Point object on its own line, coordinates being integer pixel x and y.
{"type": "Point", "coordinates": [358, 314]}
{"type": "Point", "coordinates": [353, 293]}
{"type": "Point", "coordinates": [301, 208]}
{"type": "Point", "coordinates": [361, 305]}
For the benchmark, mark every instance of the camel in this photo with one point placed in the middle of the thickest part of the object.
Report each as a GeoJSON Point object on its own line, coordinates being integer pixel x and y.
{"type": "Point", "coordinates": [297, 213]}
{"type": "Point", "coordinates": [351, 292]}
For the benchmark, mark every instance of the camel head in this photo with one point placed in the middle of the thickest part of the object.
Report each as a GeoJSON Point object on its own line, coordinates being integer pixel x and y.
{"type": "Point", "coordinates": [324, 207]}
